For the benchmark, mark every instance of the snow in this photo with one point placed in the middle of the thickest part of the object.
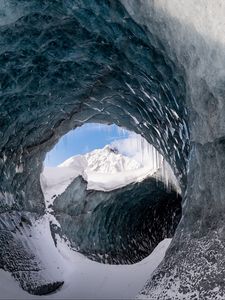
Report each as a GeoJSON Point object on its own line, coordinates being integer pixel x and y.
{"type": "Point", "coordinates": [106, 160]}
{"type": "Point", "coordinates": [84, 279]}
{"type": "Point", "coordinates": [106, 169]}
{"type": "Point", "coordinates": [108, 182]}
{"type": "Point", "coordinates": [99, 281]}
{"type": "Point", "coordinates": [103, 169]}
{"type": "Point", "coordinates": [54, 181]}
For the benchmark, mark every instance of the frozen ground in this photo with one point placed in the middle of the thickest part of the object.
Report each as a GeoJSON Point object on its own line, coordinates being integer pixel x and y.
{"type": "Point", "coordinates": [84, 279]}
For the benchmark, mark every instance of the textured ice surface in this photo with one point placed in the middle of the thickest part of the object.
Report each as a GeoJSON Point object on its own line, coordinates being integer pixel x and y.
{"type": "Point", "coordinates": [121, 226]}
{"type": "Point", "coordinates": [193, 34]}
{"type": "Point", "coordinates": [20, 241]}
{"type": "Point", "coordinates": [103, 281]}
{"type": "Point", "coordinates": [156, 68]}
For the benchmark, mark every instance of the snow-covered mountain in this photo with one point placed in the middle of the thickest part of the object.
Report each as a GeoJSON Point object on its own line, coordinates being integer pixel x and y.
{"type": "Point", "coordinates": [104, 170]}
{"type": "Point", "coordinates": [106, 160]}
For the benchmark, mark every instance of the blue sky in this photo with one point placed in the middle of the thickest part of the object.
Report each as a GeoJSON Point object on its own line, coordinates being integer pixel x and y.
{"type": "Point", "coordinates": [82, 140]}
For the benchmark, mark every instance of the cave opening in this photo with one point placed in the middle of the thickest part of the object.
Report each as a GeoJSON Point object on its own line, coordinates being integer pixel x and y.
{"type": "Point", "coordinates": [153, 67]}
{"type": "Point", "coordinates": [113, 195]}
{"type": "Point", "coordinates": [109, 70]}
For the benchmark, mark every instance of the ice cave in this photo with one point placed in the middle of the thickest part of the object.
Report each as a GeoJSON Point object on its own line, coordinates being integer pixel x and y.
{"type": "Point", "coordinates": [153, 67]}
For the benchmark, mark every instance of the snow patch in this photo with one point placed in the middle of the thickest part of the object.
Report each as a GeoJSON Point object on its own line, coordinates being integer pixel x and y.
{"type": "Point", "coordinates": [84, 279]}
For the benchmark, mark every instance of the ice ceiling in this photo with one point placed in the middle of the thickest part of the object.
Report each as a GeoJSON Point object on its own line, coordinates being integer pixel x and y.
{"type": "Point", "coordinates": [141, 66]}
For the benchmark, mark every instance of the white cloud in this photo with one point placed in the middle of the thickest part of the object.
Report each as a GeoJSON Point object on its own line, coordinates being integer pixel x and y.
{"type": "Point", "coordinates": [138, 148]}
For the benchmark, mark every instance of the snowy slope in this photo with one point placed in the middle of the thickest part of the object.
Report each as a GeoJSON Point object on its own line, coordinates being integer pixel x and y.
{"type": "Point", "coordinates": [108, 182]}
{"type": "Point", "coordinates": [84, 279]}
{"type": "Point", "coordinates": [54, 180]}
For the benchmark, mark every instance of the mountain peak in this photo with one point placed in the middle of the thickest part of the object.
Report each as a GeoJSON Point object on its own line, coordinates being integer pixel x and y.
{"type": "Point", "coordinates": [111, 149]}
{"type": "Point", "coordinates": [106, 160]}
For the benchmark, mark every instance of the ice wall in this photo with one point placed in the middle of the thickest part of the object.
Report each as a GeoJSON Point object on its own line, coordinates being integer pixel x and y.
{"type": "Point", "coordinates": [153, 67]}
{"type": "Point", "coordinates": [122, 226]}
{"type": "Point", "coordinates": [193, 34]}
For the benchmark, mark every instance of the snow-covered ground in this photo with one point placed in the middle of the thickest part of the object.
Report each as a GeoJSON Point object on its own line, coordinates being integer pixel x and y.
{"type": "Point", "coordinates": [103, 169]}
{"type": "Point", "coordinates": [84, 279]}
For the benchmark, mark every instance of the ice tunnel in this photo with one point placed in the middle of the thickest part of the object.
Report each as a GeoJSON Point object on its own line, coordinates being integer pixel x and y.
{"type": "Point", "coordinates": [153, 67]}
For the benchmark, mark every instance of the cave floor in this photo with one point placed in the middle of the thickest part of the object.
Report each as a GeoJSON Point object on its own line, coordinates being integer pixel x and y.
{"type": "Point", "coordinates": [84, 279]}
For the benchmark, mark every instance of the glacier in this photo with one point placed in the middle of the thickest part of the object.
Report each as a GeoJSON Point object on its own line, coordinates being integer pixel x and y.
{"type": "Point", "coordinates": [153, 67]}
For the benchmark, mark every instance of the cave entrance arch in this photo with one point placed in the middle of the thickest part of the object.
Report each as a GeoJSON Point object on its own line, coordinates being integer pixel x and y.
{"type": "Point", "coordinates": [113, 204]}
{"type": "Point", "coordinates": [108, 70]}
